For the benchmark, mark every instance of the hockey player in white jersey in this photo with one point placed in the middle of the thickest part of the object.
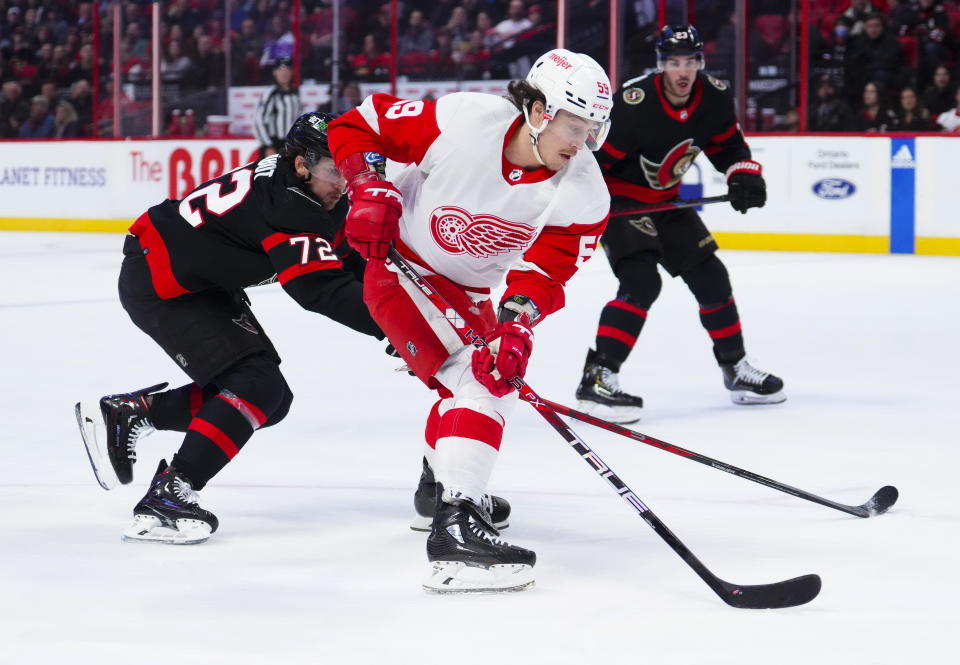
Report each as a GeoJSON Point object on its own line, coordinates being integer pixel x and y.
{"type": "Point", "coordinates": [480, 189]}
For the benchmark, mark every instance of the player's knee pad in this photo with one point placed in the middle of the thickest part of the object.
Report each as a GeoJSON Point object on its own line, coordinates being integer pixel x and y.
{"type": "Point", "coordinates": [258, 381]}
{"type": "Point", "coordinates": [640, 281]}
{"type": "Point", "coordinates": [468, 393]}
{"type": "Point", "coordinates": [709, 281]}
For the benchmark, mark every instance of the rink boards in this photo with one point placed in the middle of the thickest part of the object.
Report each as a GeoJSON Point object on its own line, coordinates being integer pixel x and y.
{"type": "Point", "coordinates": [825, 193]}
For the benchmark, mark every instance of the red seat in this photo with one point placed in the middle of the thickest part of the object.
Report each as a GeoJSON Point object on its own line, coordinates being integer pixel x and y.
{"type": "Point", "coordinates": [771, 28]}
{"type": "Point", "coordinates": [911, 50]}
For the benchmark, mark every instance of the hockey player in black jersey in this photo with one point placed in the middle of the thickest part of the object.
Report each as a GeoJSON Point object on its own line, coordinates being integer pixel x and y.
{"type": "Point", "coordinates": [184, 269]}
{"type": "Point", "coordinates": [660, 123]}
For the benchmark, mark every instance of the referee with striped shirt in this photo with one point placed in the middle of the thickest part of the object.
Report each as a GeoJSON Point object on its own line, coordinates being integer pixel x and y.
{"type": "Point", "coordinates": [277, 110]}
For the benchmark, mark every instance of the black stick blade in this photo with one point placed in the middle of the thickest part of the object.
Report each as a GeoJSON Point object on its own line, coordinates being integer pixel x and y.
{"type": "Point", "coordinates": [788, 593]}
{"type": "Point", "coordinates": [880, 502]}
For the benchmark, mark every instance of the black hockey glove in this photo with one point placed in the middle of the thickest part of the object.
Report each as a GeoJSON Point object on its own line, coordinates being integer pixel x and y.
{"type": "Point", "coordinates": [745, 186]}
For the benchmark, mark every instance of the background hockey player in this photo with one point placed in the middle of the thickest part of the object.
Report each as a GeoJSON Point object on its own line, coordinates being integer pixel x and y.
{"type": "Point", "coordinates": [184, 268]}
{"type": "Point", "coordinates": [488, 188]}
{"type": "Point", "coordinates": [660, 123]}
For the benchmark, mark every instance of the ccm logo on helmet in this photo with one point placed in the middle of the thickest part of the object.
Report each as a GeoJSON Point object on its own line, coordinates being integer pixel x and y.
{"type": "Point", "coordinates": [560, 61]}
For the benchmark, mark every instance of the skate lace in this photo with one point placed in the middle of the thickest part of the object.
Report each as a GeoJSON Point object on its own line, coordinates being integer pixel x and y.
{"type": "Point", "coordinates": [750, 374]}
{"type": "Point", "coordinates": [485, 535]}
{"type": "Point", "coordinates": [184, 491]}
{"type": "Point", "coordinates": [141, 427]}
{"type": "Point", "coordinates": [610, 380]}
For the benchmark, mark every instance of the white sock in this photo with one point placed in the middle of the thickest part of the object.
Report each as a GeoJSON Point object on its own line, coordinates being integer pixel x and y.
{"type": "Point", "coordinates": [464, 466]}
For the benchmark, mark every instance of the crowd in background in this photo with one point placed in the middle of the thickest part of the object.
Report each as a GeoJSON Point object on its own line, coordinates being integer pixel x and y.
{"type": "Point", "coordinates": [877, 65]}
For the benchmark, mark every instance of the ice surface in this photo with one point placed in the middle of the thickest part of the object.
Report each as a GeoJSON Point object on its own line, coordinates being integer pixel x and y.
{"type": "Point", "coordinates": [314, 562]}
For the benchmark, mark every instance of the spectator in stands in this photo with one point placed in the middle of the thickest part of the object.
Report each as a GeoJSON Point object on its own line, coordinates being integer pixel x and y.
{"type": "Point", "coordinates": [440, 12]}
{"type": "Point", "coordinates": [857, 14]}
{"type": "Point", "coordinates": [458, 27]}
{"type": "Point", "coordinates": [901, 17]}
{"type": "Point", "coordinates": [475, 61]}
{"type": "Point", "coordinates": [82, 100]}
{"type": "Point", "coordinates": [874, 114]}
{"type": "Point", "coordinates": [39, 124]}
{"type": "Point", "coordinates": [246, 52]}
{"type": "Point", "coordinates": [486, 30]}
{"type": "Point", "coordinates": [182, 14]}
{"type": "Point", "coordinates": [933, 34]}
{"type": "Point", "coordinates": [66, 122]}
{"type": "Point", "coordinates": [279, 43]}
{"type": "Point", "coordinates": [372, 64]}
{"type": "Point", "coordinates": [138, 41]}
{"type": "Point", "coordinates": [911, 117]}
{"type": "Point", "coordinates": [938, 98]}
{"type": "Point", "coordinates": [442, 62]}
{"type": "Point", "coordinates": [417, 37]}
{"type": "Point", "coordinates": [950, 120]}
{"type": "Point", "coordinates": [49, 90]}
{"type": "Point", "coordinates": [873, 56]}
{"type": "Point", "coordinates": [207, 66]}
{"type": "Point", "coordinates": [515, 23]}
{"type": "Point", "coordinates": [174, 65]}
{"type": "Point", "coordinates": [350, 98]}
{"type": "Point", "coordinates": [829, 113]}
{"type": "Point", "coordinates": [14, 110]}
{"type": "Point", "coordinates": [789, 123]}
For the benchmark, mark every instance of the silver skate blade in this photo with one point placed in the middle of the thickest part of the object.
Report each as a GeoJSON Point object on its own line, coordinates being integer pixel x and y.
{"type": "Point", "coordinates": [149, 529]}
{"type": "Point", "coordinates": [622, 415]}
{"type": "Point", "coordinates": [94, 435]}
{"type": "Point", "coordinates": [749, 398]}
{"type": "Point", "coordinates": [450, 577]}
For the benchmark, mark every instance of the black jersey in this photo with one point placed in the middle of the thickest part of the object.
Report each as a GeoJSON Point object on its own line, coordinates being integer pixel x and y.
{"type": "Point", "coordinates": [652, 144]}
{"type": "Point", "coordinates": [255, 225]}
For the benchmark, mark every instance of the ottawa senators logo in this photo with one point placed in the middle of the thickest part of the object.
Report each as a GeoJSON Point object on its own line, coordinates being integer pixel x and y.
{"type": "Point", "coordinates": [456, 231]}
{"type": "Point", "coordinates": [666, 174]}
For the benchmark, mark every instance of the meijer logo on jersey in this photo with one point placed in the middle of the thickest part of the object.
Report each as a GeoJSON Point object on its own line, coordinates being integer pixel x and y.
{"type": "Point", "coordinates": [456, 231]}
{"type": "Point", "coordinates": [834, 188]}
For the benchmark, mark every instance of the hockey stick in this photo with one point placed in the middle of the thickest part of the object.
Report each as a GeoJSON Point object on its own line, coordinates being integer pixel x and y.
{"type": "Point", "coordinates": [671, 205]}
{"type": "Point", "coordinates": [878, 504]}
{"type": "Point", "coordinates": [788, 593]}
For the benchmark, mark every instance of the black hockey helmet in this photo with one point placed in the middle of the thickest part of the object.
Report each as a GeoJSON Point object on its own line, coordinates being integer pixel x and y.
{"type": "Point", "coordinates": [308, 137]}
{"type": "Point", "coordinates": [679, 40]}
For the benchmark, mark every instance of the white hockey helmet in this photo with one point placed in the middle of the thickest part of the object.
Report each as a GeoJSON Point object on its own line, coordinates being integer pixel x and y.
{"type": "Point", "coordinates": [576, 83]}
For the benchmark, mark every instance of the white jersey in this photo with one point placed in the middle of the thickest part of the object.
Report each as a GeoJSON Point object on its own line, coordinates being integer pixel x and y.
{"type": "Point", "coordinates": [470, 215]}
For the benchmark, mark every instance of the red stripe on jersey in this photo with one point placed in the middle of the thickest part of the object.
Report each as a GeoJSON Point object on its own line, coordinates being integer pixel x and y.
{"type": "Point", "coordinates": [723, 136]}
{"type": "Point", "coordinates": [633, 309]}
{"type": "Point", "coordinates": [716, 309]}
{"type": "Point", "coordinates": [295, 271]}
{"type": "Point", "coordinates": [215, 434]}
{"type": "Point", "coordinates": [196, 399]}
{"type": "Point", "coordinates": [471, 424]}
{"type": "Point", "coordinates": [273, 240]}
{"type": "Point", "coordinates": [713, 150]}
{"type": "Point", "coordinates": [617, 334]}
{"type": "Point", "coordinates": [613, 152]}
{"type": "Point", "coordinates": [685, 113]}
{"type": "Point", "coordinates": [433, 426]}
{"type": "Point", "coordinates": [517, 175]}
{"type": "Point", "coordinates": [619, 187]}
{"type": "Point", "coordinates": [405, 129]}
{"type": "Point", "coordinates": [254, 416]}
{"type": "Point", "coordinates": [158, 258]}
{"type": "Point", "coordinates": [729, 331]}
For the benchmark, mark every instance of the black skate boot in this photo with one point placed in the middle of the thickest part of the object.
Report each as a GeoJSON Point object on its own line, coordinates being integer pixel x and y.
{"type": "Point", "coordinates": [170, 512]}
{"type": "Point", "coordinates": [749, 385]}
{"type": "Point", "coordinates": [599, 392]}
{"type": "Point", "coordinates": [467, 553]}
{"type": "Point", "coordinates": [111, 436]}
{"type": "Point", "coordinates": [425, 503]}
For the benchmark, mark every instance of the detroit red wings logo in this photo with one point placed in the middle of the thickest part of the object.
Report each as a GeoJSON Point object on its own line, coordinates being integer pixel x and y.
{"type": "Point", "coordinates": [666, 174]}
{"type": "Point", "coordinates": [480, 236]}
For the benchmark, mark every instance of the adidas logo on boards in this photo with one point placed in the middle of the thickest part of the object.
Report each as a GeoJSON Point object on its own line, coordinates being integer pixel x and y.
{"type": "Point", "coordinates": [903, 159]}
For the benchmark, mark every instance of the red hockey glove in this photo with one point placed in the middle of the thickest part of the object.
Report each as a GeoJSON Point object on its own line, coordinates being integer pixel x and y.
{"type": "Point", "coordinates": [510, 346]}
{"type": "Point", "coordinates": [374, 218]}
{"type": "Point", "coordinates": [745, 186]}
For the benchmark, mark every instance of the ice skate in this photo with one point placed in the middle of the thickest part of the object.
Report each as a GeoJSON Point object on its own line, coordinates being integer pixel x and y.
{"type": "Point", "coordinates": [467, 554]}
{"type": "Point", "coordinates": [425, 503]}
{"type": "Point", "coordinates": [749, 385]}
{"type": "Point", "coordinates": [599, 392]}
{"type": "Point", "coordinates": [110, 433]}
{"type": "Point", "coordinates": [170, 513]}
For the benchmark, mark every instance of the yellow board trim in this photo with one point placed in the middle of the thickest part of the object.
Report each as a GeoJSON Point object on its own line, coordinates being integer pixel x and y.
{"type": "Point", "coordinates": [938, 246]}
{"type": "Point", "coordinates": [804, 242]}
{"type": "Point", "coordinates": [783, 242]}
{"type": "Point", "coordinates": [75, 225]}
